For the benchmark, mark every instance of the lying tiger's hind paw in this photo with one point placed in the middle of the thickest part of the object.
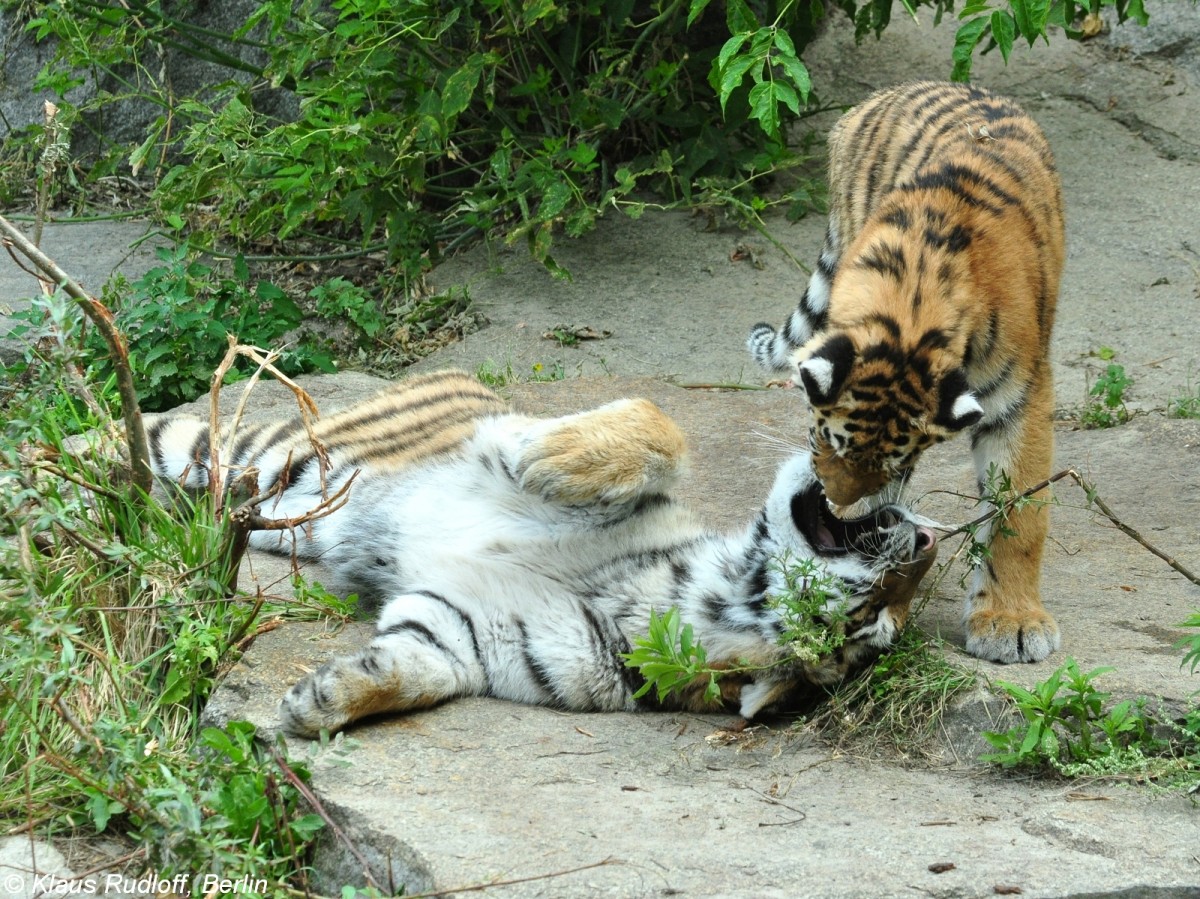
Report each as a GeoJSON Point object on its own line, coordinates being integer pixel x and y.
{"type": "Point", "coordinates": [340, 692]}
{"type": "Point", "coordinates": [613, 454]}
{"type": "Point", "coordinates": [1011, 636]}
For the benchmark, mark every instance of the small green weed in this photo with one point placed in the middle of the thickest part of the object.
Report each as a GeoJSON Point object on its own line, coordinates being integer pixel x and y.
{"type": "Point", "coordinates": [670, 658]}
{"type": "Point", "coordinates": [339, 300]}
{"type": "Point", "coordinates": [812, 618]}
{"type": "Point", "coordinates": [1191, 644]}
{"type": "Point", "coordinates": [495, 376]}
{"type": "Point", "coordinates": [1001, 495]}
{"type": "Point", "coordinates": [1071, 727]}
{"type": "Point", "coordinates": [1186, 404]}
{"type": "Point", "coordinates": [1106, 404]}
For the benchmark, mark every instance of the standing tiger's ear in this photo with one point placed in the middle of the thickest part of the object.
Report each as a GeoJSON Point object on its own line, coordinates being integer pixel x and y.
{"type": "Point", "coordinates": [824, 372]}
{"type": "Point", "coordinates": [957, 406]}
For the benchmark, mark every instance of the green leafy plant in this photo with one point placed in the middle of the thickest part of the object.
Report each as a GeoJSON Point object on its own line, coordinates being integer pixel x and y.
{"type": "Point", "coordinates": [1107, 408]}
{"type": "Point", "coordinates": [420, 127]}
{"type": "Point", "coordinates": [1070, 726]}
{"type": "Point", "coordinates": [670, 659]}
{"type": "Point", "coordinates": [177, 319]}
{"type": "Point", "coordinates": [1191, 644]}
{"type": "Point", "coordinates": [998, 25]}
{"type": "Point", "coordinates": [1186, 404]}
{"type": "Point", "coordinates": [811, 609]}
{"type": "Point", "coordinates": [767, 54]}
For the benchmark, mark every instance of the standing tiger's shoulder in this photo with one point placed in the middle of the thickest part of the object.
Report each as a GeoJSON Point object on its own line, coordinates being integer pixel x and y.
{"type": "Point", "coordinates": [979, 153]}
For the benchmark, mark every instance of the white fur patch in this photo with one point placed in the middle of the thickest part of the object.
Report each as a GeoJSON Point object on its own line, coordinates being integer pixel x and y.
{"type": "Point", "coordinates": [818, 292]}
{"type": "Point", "coordinates": [821, 371]}
{"type": "Point", "coordinates": [965, 406]}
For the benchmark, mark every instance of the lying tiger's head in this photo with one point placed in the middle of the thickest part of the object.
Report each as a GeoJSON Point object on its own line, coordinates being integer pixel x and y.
{"type": "Point", "coordinates": [878, 560]}
{"type": "Point", "coordinates": [876, 409]}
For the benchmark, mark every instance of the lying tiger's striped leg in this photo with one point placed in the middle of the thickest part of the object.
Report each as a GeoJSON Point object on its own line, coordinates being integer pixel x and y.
{"type": "Point", "coordinates": [1004, 617]}
{"type": "Point", "coordinates": [425, 652]}
{"type": "Point", "coordinates": [614, 454]}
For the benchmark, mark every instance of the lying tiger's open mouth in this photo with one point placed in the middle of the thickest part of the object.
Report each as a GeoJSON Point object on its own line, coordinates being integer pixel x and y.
{"type": "Point", "coordinates": [829, 535]}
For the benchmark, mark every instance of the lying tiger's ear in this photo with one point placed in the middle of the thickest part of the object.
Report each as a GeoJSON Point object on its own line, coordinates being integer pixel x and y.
{"type": "Point", "coordinates": [824, 373]}
{"type": "Point", "coordinates": [957, 406]}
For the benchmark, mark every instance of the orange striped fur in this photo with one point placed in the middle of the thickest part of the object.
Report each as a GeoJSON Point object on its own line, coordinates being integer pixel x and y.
{"type": "Point", "coordinates": [929, 313]}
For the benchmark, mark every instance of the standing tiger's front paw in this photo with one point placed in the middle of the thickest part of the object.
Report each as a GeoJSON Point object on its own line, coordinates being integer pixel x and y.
{"type": "Point", "coordinates": [1011, 636]}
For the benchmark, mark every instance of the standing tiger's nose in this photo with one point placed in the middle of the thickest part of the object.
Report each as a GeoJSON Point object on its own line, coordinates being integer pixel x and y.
{"type": "Point", "coordinates": [844, 484]}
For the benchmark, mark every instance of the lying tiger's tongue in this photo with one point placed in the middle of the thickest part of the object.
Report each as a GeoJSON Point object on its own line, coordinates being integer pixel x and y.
{"type": "Point", "coordinates": [825, 537]}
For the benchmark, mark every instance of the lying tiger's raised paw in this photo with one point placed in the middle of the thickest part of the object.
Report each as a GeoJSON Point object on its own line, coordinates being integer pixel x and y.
{"type": "Point", "coordinates": [613, 454]}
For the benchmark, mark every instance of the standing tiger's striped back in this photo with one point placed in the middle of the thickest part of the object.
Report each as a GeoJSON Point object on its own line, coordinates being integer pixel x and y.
{"type": "Point", "coordinates": [929, 313]}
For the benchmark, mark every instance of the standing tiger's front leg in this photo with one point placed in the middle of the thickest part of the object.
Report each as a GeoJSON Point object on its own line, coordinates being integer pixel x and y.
{"type": "Point", "coordinates": [1004, 617]}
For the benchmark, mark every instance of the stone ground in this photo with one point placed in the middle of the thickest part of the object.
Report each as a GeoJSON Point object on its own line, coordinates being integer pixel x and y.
{"type": "Point", "coordinates": [657, 805]}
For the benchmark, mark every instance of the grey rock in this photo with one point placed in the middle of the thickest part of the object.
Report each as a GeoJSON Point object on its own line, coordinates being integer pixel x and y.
{"type": "Point", "coordinates": [30, 867]}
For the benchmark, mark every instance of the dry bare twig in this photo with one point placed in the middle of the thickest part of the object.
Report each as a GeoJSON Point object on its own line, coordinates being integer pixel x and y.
{"type": "Point", "coordinates": [1093, 499]}
{"type": "Point", "coordinates": [139, 453]}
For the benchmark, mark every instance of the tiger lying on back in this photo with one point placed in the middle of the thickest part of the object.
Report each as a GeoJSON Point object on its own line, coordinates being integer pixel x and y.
{"type": "Point", "coordinates": [929, 313]}
{"type": "Point", "coordinates": [518, 557]}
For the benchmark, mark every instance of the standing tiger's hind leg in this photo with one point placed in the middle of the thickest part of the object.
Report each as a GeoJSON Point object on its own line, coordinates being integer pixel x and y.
{"type": "Point", "coordinates": [612, 455]}
{"type": "Point", "coordinates": [1004, 617]}
{"type": "Point", "coordinates": [425, 652]}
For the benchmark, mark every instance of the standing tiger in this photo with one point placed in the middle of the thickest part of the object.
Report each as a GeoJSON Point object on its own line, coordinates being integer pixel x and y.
{"type": "Point", "coordinates": [519, 557]}
{"type": "Point", "coordinates": [929, 312]}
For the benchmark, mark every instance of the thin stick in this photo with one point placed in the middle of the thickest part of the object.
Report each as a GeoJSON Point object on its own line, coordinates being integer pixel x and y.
{"type": "Point", "coordinates": [118, 352]}
{"type": "Point", "coordinates": [311, 798]}
{"type": "Point", "coordinates": [479, 887]}
{"type": "Point", "coordinates": [1093, 499]}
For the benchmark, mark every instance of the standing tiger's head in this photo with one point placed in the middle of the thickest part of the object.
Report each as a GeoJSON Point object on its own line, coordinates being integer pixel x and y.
{"type": "Point", "coordinates": [876, 409]}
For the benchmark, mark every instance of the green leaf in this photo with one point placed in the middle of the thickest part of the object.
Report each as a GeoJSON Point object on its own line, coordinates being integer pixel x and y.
{"type": "Point", "coordinates": [1030, 17]}
{"type": "Point", "coordinates": [797, 72]}
{"type": "Point", "coordinates": [764, 106]}
{"type": "Point", "coordinates": [787, 96]}
{"type": "Point", "coordinates": [731, 80]}
{"type": "Point", "coordinates": [1003, 31]}
{"type": "Point", "coordinates": [730, 47]}
{"type": "Point", "coordinates": [966, 39]}
{"type": "Point", "coordinates": [695, 9]}
{"type": "Point", "coordinates": [739, 17]}
{"type": "Point", "coordinates": [460, 86]}
{"type": "Point", "coordinates": [783, 43]}
{"type": "Point", "coordinates": [101, 809]}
